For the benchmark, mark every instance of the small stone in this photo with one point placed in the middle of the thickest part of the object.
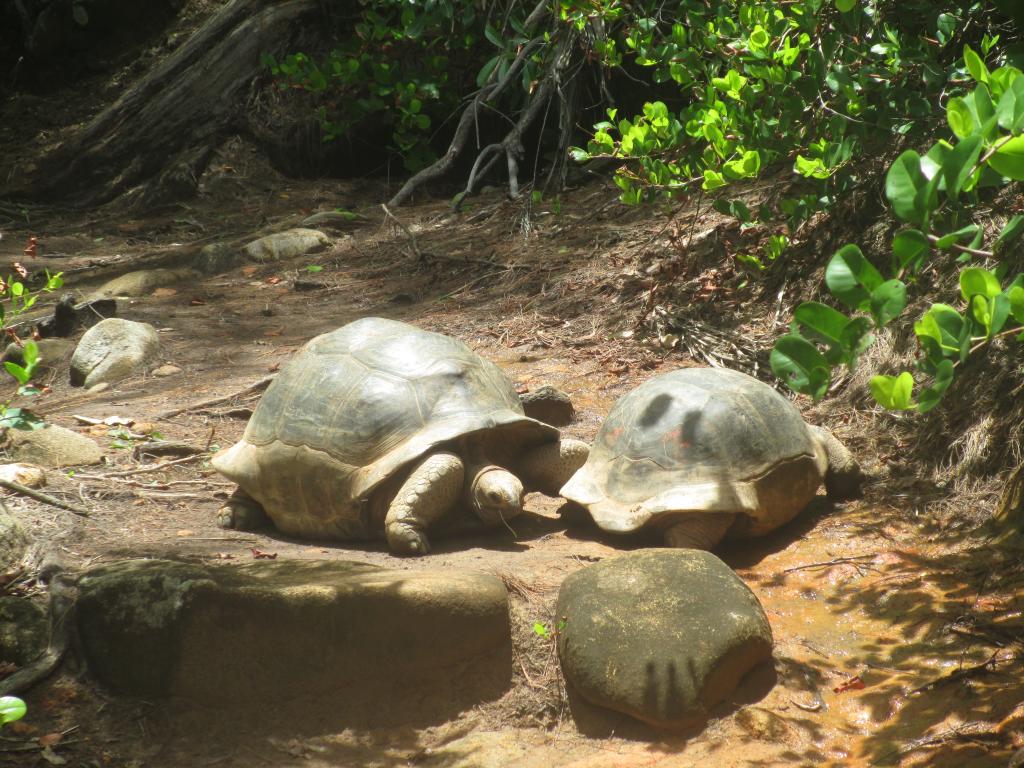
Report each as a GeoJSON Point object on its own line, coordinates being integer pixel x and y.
{"type": "Point", "coordinates": [662, 634]}
{"type": "Point", "coordinates": [113, 350]}
{"type": "Point", "coordinates": [166, 370]}
{"type": "Point", "coordinates": [53, 446]}
{"type": "Point", "coordinates": [103, 386]}
{"type": "Point", "coordinates": [28, 475]}
{"type": "Point", "coordinates": [550, 405]}
{"type": "Point", "coordinates": [284, 245]}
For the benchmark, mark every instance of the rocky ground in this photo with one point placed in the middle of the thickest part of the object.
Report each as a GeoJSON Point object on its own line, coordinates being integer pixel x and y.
{"type": "Point", "coordinates": [895, 630]}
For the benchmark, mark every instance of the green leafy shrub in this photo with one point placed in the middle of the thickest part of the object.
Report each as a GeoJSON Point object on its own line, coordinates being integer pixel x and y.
{"type": "Point", "coordinates": [935, 195]}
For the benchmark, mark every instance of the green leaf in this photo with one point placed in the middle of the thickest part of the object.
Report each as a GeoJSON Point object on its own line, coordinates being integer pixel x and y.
{"type": "Point", "coordinates": [929, 397]}
{"type": "Point", "coordinates": [959, 164]}
{"type": "Point", "coordinates": [975, 281]}
{"type": "Point", "coordinates": [1010, 109]}
{"type": "Point", "coordinates": [893, 392]}
{"type": "Point", "coordinates": [939, 331]}
{"type": "Point", "coordinates": [799, 363]}
{"type": "Point", "coordinates": [857, 338]}
{"type": "Point", "coordinates": [911, 248]}
{"type": "Point", "coordinates": [1016, 297]}
{"type": "Point", "coordinates": [947, 241]}
{"type": "Point", "coordinates": [1009, 159]}
{"type": "Point", "coordinates": [960, 119]}
{"type": "Point", "coordinates": [887, 301]}
{"type": "Point", "coordinates": [975, 65]}
{"type": "Point", "coordinates": [712, 180]}
{"type": "Point", "coordinates": [11, 708]}
{"type": "Point", "coordinates": [314, 268]}
{"type": "Point", "coordinates": [909, 190]}
{"type": "Point", "coordinates": [19, 373]}
{"type": "Point", "coordinates": [811, 167]}
{"type": "Point", "coordinates": [30, 353]}
{"type": "Point", "coordinates": [539, 629]}
{"type": "Point", "coordinates": [851, 277]}
{"type": "Point", "coordinates": [1010, 232]}
{"type": "Point", "coordinates": [822, 321]}
{"type": "Point", "coordinates": [845, 6]}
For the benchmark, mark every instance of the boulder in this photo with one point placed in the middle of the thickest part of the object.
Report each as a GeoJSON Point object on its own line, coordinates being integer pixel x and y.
{"type": "Point", "coordinates": [142, 282]}
{"type": "Point", "coordinates": [550, 405]}
{"type": "Point", "coordinates": [273, 631]}
{"type": "Point", "coordinates": [113, 350]}
{"type": "Point", "coordinates": [53, 354]}
{"type": "Point", "coordinates": [284, 245]}
{"type": "Point", "coordinates": [52, 446]}
{"type": "Point", "coordinates": [660, 634]}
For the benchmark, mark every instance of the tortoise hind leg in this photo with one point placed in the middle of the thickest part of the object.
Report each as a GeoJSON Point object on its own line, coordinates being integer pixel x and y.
{"type": "Point", "coordinates": [242, 512]}
{"type": "Point", "coordinates": [431, 489]}
{"type": "Point", "coordinates": [698, 530]}
{"type": "Point", "coordinates": [548, 467]}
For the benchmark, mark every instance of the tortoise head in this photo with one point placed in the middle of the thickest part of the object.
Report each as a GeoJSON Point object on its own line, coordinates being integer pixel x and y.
{"type": "Point", "coordinates": [496, 495]}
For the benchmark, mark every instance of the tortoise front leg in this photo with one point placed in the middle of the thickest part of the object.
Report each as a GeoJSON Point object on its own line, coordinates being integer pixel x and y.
{"type": "Point", "coordinates": [698, 530]}
{"type": "Point", "coordinates": [548, 467]}
{"type": "Point", "coordinates": [432, 488]}
{"type": "Point", "coordinates": [242, 512]}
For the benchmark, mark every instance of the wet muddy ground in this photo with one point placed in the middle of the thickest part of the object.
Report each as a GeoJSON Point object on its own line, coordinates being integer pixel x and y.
{"type": "Point", "coordinates": [895, 642]}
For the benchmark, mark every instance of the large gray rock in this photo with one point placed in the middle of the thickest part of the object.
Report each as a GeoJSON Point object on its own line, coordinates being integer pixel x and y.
{"type": "Point", "coordinates": [278, 630]}
{"type": "Point", "coordinates": [52, 446]}
{"type": "Point", "coordinates": [284, 245]}
{"type": "Point", "coordinates": [661, 634]}
{"type": "Point", "coordinates": [113, 350]}
{"type": "Point", "coordinates": [141, 282]}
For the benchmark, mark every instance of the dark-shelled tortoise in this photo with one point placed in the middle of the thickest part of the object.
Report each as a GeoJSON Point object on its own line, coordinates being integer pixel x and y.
{"type": "Point", "coordinates": [704, 452]}
{"type": "Point", "coordinates": [382, 428]}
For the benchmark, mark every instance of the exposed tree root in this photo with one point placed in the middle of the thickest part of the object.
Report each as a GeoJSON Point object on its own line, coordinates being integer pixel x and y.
{"type": "Point", "coordinates": [155, 141]}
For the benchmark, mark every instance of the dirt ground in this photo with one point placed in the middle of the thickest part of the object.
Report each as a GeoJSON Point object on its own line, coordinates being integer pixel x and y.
{"type": "Point", "coordinates": [897, 635]}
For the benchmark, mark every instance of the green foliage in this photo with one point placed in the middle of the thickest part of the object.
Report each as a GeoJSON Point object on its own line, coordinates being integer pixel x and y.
{"type": "Point", "coordinates": [768, 82]}
{"type": "Point", "coordinates": [936, 195]}
{"type": "Point", "coordinates": [11, 708]}
{"type": "Point", "coordinates": [16, 298]}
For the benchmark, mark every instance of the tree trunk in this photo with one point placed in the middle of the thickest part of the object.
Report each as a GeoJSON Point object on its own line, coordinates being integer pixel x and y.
{"type": "Point", "coordinates": [154, 142]}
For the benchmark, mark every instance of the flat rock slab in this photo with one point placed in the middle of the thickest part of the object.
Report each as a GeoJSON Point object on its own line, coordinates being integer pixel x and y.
{"type": "Point", "coordinates": [285, 245]}
{"type": "Point", "coordinates": [52, 446]}
{"type": "Point", "coordinates": [113, 350]}
{"type": "Point", "coordinates": [273, 631]}
{"type": "Point", "coordinates": [661, 634]}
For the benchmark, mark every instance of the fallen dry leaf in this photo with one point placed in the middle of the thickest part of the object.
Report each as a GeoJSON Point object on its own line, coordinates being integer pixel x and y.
{"type": "Point", "coordinates": [186, 532]}
{"type": "Point", "coordinates": [50, 739]}
{"type": "Point", "coordinates": [259, 554]}
{"type": "Point", "coordinates": [274, 280]}
{"type": "Point", "coordinates": [163, 293]}
{"type": "Point", "coordinates": [196, 302]}
{"type": "Point", "coordinates": [852, 684]}
{"type": "Point", "coordinates": [249, 270]}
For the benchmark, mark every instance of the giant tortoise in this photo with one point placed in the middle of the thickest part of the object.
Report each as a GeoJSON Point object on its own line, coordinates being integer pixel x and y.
{"type": "Point", "coordinates": [702, 452]}
{"type": "Point", "coordinates": [380, 427]}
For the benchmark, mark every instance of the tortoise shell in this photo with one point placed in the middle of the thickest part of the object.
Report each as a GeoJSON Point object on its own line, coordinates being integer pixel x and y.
{"type": "Point", "coordinates": [700, 440]}
{"type": "Point", "coordinates": [353, 408]}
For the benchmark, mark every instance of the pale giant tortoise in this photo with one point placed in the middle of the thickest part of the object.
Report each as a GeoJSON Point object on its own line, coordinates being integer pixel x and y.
{"type": "Point", "coordinates": [382, 428]}
{"type": "Point", "coordinates": [703, 452]}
